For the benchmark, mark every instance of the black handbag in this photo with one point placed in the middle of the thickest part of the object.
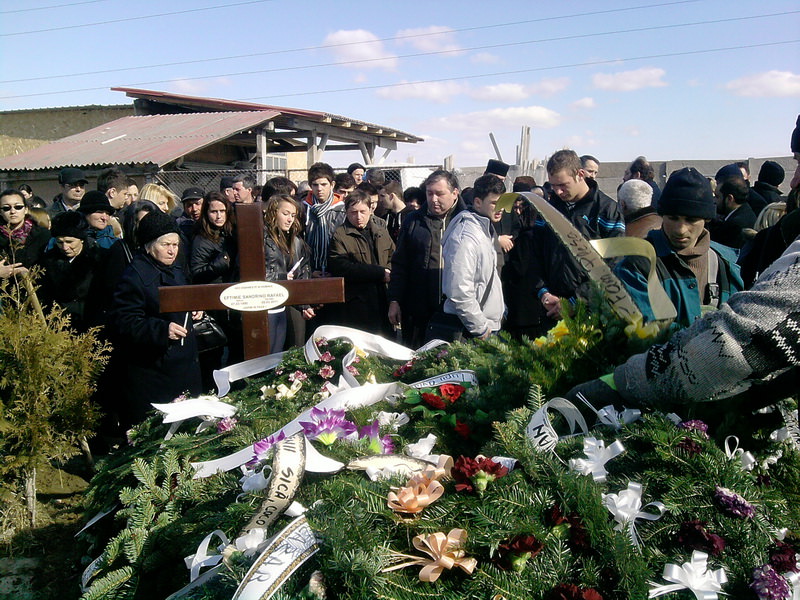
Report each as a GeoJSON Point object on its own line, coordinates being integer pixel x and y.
{"type": "Point", "coordinates": [448, 327]}
{"type": "Point", "coordinates": [209, 334]}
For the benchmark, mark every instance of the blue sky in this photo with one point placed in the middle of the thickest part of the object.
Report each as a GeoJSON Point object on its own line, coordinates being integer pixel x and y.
{"type": "Point", "coordinates": [671, 80]}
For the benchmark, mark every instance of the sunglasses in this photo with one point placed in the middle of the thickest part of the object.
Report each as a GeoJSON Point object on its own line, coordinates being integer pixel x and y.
{"type": "Point", "coordinates": [8, 207]}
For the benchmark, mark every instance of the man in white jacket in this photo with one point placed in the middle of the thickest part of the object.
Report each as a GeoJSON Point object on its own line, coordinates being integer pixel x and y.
{"type": "Point", "coordinates": [469, 279]}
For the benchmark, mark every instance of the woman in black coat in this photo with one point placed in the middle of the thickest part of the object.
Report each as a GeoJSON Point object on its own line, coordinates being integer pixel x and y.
{"type": "Point", "coordinates": [72, 276]}
{"type": "Point", "coordinates": [287, 256]}
{"type": "Point", "coordinates": [361, 252]}
{"type": "Point", "coordinates": [159, 349]}
{"type": "Point", "coordinates": [213, 260]}
{"type": "Point", "coordinates": [22, 242]}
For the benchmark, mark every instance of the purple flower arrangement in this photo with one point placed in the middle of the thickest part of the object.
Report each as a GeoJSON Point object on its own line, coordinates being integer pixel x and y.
{"type": "Point", "coordinates": [695, 425]}
{"type": "Point", "coordinates": [768, 584]}
{"type": "Point", "coordinates": [733, 503]}
{"type": "Point", "coordinates": [327, 425]}
{"type": "Point", "coordinates": [376, 443]}
{"type": "Point", "coordinates": [262, 447]}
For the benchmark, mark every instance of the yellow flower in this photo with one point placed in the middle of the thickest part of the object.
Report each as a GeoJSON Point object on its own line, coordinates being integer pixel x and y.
{"type": "Point", "coordinates": [560, 330]}
{"type": "Point", "coordinates": [641, 330]}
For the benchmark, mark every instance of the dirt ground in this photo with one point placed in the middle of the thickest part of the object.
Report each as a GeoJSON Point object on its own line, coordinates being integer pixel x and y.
{"type": "Point", "coordinates": [44, 563]}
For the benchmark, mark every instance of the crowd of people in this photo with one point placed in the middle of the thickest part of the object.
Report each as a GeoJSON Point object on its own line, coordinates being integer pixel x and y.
{"type": "Point", "coordinates": [428, 261]}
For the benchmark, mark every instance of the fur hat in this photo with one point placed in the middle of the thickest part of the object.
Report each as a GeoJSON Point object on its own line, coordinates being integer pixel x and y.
{"type": "Point", "coordinates": [687, 193]}
{"type": "Point", "coordinates": [153, 225]}
{"type": "Point", "coordinates": [496, 167]}
{"type": "Point", "coordinates": [95, 201]}
{"type": "Point", "coordinates": [69, 224]}
{"type": "Point", "coordinates": [771, 173]}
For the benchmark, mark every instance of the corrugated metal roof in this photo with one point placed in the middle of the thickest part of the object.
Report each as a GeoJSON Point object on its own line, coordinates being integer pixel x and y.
{"type": "Point", "coordinates": [155, 139]}
{"type": "Point", "coordinates": [226, 105]}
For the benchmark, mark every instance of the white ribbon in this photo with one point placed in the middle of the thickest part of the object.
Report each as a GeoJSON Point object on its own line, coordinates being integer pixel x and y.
{"type": "Point", "coordinates": [255, 481]}
{"type": "Point", "coordinates": [392, 420]}
{"type": "Point", "coordinates": [254, 366]}
{"type": "Point", "coordinates": [202, 406]}
{"type": "Point", "coordinates": [463, 376]}
{"type": "Point", "coordinates": [201, 558]}
{"type": "Point", "coordinates": [368, 342]}
{"type": "Point", "coordinates": [694, 576]}
{"type": "Point", "coordinates": [794, 584]}
{"type": "Point", "coordinates": [542, 433]}
{"type": "Point", "coordinates": [345, 400]}
{"type": "Point", "coordinates": [597, 455]}
{"type": "Point", "coordinates": [282, 392]}
{"type": "Point", "coordinates": [626, 507]}
{"type": "Point", "coordinates": [747, 460]}
{"type": "Point", "coordinates": [248, 544]}
{"type": "Point", "coordinates": [608, 415]}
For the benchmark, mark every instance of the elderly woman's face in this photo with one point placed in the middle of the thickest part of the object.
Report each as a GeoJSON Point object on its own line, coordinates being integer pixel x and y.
{"type": "Point", "coordinates": [13, 210]}
{"type": "Point", "coordinates": [165, 248]}
{"type": "Point", "coordinates": [70, 246]}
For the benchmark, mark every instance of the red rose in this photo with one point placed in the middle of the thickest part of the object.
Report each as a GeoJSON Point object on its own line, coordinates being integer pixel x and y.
{"type": "Point", "coordinates": [463, 429]}
{"type": "Point", "coordinates": [433, 400]}
{"type": "Point", "coordinates": [451, 391]}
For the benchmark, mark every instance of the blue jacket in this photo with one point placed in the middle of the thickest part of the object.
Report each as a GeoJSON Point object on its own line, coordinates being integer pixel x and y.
{"type": "Point", "coordinates": [104, 238]}
{"type": "Point", "coordinates": [677, 278]}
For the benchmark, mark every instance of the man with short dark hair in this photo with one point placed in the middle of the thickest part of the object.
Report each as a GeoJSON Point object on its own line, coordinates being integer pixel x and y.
{"type": "Point", "coordinates": [376, 177]}
{"type": "Point", "coordinates": [226, 187]}
{"type": "Point", "coordinates": [114, 184]}
{"type": "Point", "coordinates": [556, 274]}
{"type": "Point", "coordinates": [324, 212]}
{"type": "Point", "coordinates": [415, 290]}
{"type": "Point", "coordinates": [733, 170]}
{"type": "Point", "coordinates": [736, 214]}
{"type": "Point", "coordinates": [243, 188]}
{"type": "Point", "coordinates": [470, 280]}
{"type": "Point", "coordinates": [590, 166]}
{"type": "Point", "coordinates": [73, 187]}
{"type": "Point", "coordinates": [344, 183]}
{"type": "Point", "coordinates": [640, 168]}
{"type": "Point", "coordinates": [277, 186]}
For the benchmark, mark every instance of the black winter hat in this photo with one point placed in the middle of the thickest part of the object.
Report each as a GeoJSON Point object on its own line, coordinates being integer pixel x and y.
{"type": "Point", "coordinates": [796, 137]}
{"type": "Point", "coordinates": [771, 173]}
{"type": "Point", "coordinates": [153, 225]}
{"type": "Point", "coordinates": [69, 224]}
{"type": "Point", "coordinates": [95, 201]}
{"type": "Point", "coordinates": [731, 171]}
{"type": "Point", "coordinates": [687, 193]}
{"type": "Point", "coordinates": [496, 167]}
{"type": "Point", "coordinates": [192, 193]}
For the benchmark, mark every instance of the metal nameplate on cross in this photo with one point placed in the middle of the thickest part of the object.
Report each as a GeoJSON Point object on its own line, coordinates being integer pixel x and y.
{"type": "Point", "coordinates": [252, 267]}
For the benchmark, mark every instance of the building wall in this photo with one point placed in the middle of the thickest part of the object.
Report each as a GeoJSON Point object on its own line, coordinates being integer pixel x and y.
{"type": "Point", "coordinates": [23, 130]}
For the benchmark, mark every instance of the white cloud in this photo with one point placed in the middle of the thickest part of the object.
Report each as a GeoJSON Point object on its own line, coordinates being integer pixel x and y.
{"type": "Point", "coordinates": [484, 58]}
{"type": "Point", "coordinates": [510, 92]}
{"type": "Point", "coordinates": [433, 91]}
{"type": "Point", "coordinates": [772, 84]}
{"type": "Point", "coordinates": [514, 92]}
{"type": "Point", "coordinates": [584, 103]}
{"type": "Point", "coordinates": [435, 38]}
{"type": "Point", "coordinates": [628, 81]}
{"type": "Point", "coordinates": [354, 45]}
{"type": "Point", "coordinates": [548, 87]}
{"type": "Point", "coordinates": [500, 118]}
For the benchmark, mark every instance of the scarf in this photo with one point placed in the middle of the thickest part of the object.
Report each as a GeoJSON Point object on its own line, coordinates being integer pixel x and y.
{"type": "Point", "coordinates": [19, 235]}
{"type": "Point", "coordinates": [319, 231]}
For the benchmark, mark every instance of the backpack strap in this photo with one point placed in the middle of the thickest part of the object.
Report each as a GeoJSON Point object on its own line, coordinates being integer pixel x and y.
{"type": "Point", "coordinates": [713, 276]}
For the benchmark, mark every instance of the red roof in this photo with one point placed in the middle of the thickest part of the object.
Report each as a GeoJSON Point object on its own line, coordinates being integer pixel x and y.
{"type": "Point", "coordinates": [155, 139]}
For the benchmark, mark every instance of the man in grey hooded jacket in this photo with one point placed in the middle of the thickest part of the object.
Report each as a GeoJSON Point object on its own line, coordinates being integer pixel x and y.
{"type": "Point", "coordinates": [469, 279]}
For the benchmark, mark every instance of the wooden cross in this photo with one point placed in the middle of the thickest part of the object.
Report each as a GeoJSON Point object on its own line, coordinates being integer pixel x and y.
{"type": "Point", "coordinates": [252, 267]}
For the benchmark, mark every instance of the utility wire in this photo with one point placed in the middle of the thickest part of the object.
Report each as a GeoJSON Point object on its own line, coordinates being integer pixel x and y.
{"type": "Point", "coordinates": [307, 48]}
{"type": "Point", "coordinates": [415, 55]}
{"type": "Point", "coordinates": [536, 69]}
{"type": "Point", "coordinates": [21, 10]}
{"type": "Point", "coordinates": [129, 19]}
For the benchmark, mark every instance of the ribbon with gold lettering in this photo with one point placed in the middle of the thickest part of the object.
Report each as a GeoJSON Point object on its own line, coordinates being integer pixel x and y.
{"type": "Point", "coordinates": [445, 552]}
{"type": "Point", "coordinates": [591, 259]}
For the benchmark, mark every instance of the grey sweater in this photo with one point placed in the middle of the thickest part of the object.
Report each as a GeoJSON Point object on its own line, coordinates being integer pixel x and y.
{"type": "Point", "coordinates": [754, 337]}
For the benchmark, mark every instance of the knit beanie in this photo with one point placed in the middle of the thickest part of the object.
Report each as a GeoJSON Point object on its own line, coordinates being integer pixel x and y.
{"type": "Point", "coordinates": [771, 173]}
{"type": "Point", "coordinates": [153, 225]}
{"type": "Point", "coordinates": [95, 201]}
{"type": "Point", "coordinates": [730, 171]}
{"type": "Point", "coordinates": [687, 194]}
{"type": "Point", "coordinates": [796, 137]}
{"type": "Point", "coordinates": [69, 224]}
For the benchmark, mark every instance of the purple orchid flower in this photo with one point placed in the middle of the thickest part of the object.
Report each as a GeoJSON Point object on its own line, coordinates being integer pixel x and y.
{"type": "Point", "coordinates": [327, 425]}
{"type": "Point", "coordinates": [262, 447]}
{"type": "Point", "coordinates": [377, 444]}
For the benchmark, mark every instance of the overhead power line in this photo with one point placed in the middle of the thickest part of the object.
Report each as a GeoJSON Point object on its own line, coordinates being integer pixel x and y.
{"type": "Point", "coordinates": [532, 70]}
{"type": "Point", "coordinates": [129, 19]}
{"type": "Point", "coordinates": [35, 8]}
{"type": "Point", "coordinates": [414, 55]}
